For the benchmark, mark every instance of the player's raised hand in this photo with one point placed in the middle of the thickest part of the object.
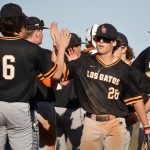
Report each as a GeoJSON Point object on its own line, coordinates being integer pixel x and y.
{"type": "Point", "coordinates": [54, 32]}
{"type": "Point", "coordinates": [71, 54]}
{"type": "Point", "coordinates": [64, 39]}
{"type": "Point", "coordinates": [60, 39]}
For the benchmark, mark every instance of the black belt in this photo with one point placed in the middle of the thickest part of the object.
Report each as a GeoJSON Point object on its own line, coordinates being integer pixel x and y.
{"type": "Point", "coordinates": [100, 117]}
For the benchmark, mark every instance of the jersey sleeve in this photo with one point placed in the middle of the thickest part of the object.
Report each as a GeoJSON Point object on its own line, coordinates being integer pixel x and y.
{"type": "Point", "coordinates": [70, 69]}
{"type": "Point", "coordinates": [144, 84]}
{"type": "Point", "coordinates": [141, 63]}
{"type": "Point", "coordinates": [132, 92]}
{"type": "Point", "coordinates": [46, 67]}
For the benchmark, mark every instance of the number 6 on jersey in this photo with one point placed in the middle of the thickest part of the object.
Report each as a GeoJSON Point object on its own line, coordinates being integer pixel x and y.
{"type": "Point", "coordinates": [8, 69]}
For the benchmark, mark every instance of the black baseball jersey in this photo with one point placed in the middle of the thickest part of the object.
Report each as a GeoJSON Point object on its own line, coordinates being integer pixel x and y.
{"type": "Point", "coordinates": [104, 89]}
{"type": "Point", "coordinates": [43, 93]}
{"type": "Point", "coordinates": [143, 81]}
{"type": "Point", "coordinates": [66, 96]}
{"type": "Point", "coordinates": [142, 65]}
{"type": "Point", "coordinates": [20, 60]}
{"type": "Point", "coordinates": [142, 62]}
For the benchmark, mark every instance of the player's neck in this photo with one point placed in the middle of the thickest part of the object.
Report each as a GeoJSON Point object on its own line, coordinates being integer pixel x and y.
{"type": "Point", "coordinates": [107, 59]}
{"type": "Point", "coordinates": [22, 33]}
{"type": "Point", "coordinates": [128, 62]}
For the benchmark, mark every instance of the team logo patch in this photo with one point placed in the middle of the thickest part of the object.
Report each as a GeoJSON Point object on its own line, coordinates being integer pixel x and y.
{"type": "Point", "coordinates": [103, 29]}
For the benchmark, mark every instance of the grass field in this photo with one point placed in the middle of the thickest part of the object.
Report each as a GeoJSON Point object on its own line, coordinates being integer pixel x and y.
{"type": "Point", "coordinates": [134, 139]}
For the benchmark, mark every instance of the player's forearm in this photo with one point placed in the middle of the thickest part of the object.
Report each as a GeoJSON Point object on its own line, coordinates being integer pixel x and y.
{"type": "Point", "coordinates": [147, 106]}
{"type": "Point", "coordinates": [54, 54]}
{"type": "Point", "coordinates": [61, 44]}
{"type": "Point", "coordinates": [141, 112]}
{"type": "Point", "coordinates": [60, 64]}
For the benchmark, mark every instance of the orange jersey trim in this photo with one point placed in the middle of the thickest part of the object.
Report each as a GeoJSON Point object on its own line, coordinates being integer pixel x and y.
{"type": "Point", "coordinates": [65, 73]}
{"type": "Point", "coordinates": [10, 38]}
{"type": "Point", "coordinates": [46, 78]}
{"type": "Point", "coordinates": [48, 82]}
{"type": "Point", "coordinates": [106, 66]}
{"type": "Point", "coordinates": [50, 73]}
{"type": "Point", "coordinates": [130, 103]}
{"type": "Point", "coordinates": [133, 100]}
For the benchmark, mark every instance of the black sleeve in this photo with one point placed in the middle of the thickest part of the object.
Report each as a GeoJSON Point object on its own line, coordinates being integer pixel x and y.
{"type": "Point", "coordinates": [43, 62]}
{"type": "Point", "coordinates": [72, 68]}
{"type": "Point", "coordinates": [132, 92]}
{"type": "Point", "coordinates": [143, 81]}
{"type": "Point", "coordinates": [141, 63]}
{"type": "Point", "coordinates": [144, 84]}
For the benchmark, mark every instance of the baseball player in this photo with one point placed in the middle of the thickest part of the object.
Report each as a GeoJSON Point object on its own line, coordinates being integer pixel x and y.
{"type": "Point", "coordinates": [20, 60]}
{"type": "Point", "coordinates": [105, 85]}
{"type": "Point", "coordinates": [44, 96]}
{"type": "Point", "coordinates": [125, 52]}
{"type": "Point", "coordinates": [69, 114]}
{"type": "Point", "coordinates": [141, 63]}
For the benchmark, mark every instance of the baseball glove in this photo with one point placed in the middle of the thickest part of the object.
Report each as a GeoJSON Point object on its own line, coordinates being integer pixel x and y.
{"type": "Point", "coordinates": [146, 142]}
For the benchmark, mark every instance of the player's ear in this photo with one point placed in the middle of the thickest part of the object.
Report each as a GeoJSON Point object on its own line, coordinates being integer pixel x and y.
{"type": "Point", "coordinates": [34, 33]}
{"type": "Point", "coordinates": [37, 34]}
{"type": "Point", "coordinates": [114, 43]}
{"type": "Point", "coordinates": [124, 49]}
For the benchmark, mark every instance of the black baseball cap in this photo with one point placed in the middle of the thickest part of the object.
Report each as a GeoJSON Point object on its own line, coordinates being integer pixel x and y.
{"type": "Point", "coordinates": [122, 39]}
{"type": "Point", "coordinates": [107, 31]}
{"type": "Point", "coordinates": [75, 41]}
{"type": "Point", "coordinates": [11, 10]}
{"type": "Point", "coordinates": [34, 23]}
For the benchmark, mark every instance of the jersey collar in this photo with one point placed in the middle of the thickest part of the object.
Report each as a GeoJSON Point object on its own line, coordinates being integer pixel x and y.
{"type": "Point", "coordinates": [106, 66]}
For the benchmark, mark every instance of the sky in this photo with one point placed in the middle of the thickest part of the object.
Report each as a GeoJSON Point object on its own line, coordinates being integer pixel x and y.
{"type": "Point", "coordinates": [130, 17]}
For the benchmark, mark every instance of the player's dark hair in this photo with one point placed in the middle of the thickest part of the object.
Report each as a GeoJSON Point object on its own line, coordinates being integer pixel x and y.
{"type": "Point", "coordinates": [129, 53]}
{"type": "Point", "coordinates": [9, 26]}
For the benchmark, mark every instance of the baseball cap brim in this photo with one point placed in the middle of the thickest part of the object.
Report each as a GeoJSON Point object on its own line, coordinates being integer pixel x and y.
{"type": "Point", "coordinates": [45, 28]}
{"type": "Point", "coordinates": [34, 23]}
{"type": "Point", "coordinates": [106, 36]}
